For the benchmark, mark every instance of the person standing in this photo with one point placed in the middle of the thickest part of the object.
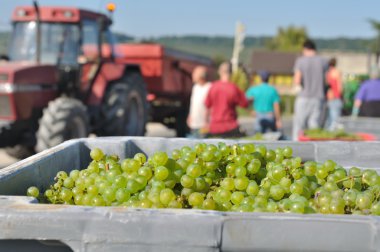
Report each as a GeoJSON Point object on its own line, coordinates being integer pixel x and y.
{"type": "Point", "coordinates": [309, 76]}
{"type": "Point", "coordinates": [222, 100]}
{"type": "Point", "coordinates": [367, 99]}
{"type": "Point", "coordinates": [266, 104]}
{"type": "Point", "coordinates": [197, 118]}
{"type": "Point", "coordinates": [334, 95]}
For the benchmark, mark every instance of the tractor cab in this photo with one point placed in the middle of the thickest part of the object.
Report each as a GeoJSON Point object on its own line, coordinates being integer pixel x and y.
{"type": "Point", "coordinates": [68, 38]}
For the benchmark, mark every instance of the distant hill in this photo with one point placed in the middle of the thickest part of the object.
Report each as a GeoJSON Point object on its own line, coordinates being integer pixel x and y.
{"type": "Point", "coordinates": [220, 47]}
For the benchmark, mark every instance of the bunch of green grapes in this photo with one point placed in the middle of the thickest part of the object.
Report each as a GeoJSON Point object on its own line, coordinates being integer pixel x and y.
{"type": "Point", "coordinates": [242, 178]}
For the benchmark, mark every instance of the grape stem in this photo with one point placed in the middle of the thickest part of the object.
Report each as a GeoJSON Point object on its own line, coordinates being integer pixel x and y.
{"type": "Point", "coordinates": [350, 177]}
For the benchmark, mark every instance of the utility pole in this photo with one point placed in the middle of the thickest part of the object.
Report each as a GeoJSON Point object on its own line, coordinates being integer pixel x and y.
{"type": "Point", "coordinates": [238, 45]}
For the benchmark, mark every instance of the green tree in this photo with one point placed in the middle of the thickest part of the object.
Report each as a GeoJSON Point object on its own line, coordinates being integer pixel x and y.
{"type": "Point", "coordinates": [376, 26]}
{"type": "Point", "coordinates": [289, 39]}
{"type": "Point", "coordinates": [240, 78]}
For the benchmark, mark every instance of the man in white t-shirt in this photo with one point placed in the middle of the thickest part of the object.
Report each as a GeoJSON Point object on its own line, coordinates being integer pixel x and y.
{"type": "Point", "coordinates": [198, 115]}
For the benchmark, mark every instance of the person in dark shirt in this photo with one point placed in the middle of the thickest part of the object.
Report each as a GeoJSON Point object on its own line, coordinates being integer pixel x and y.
{"type": "Point", "coordinates": [222, 100]}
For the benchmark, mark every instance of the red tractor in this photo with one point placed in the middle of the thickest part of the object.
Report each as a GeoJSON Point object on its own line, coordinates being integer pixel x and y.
{"type": "Point", "coordinates": [65, 78]}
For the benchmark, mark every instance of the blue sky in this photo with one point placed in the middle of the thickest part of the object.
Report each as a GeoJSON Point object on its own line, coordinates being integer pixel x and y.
{"type": "Point", "coordinates": [145, 18]}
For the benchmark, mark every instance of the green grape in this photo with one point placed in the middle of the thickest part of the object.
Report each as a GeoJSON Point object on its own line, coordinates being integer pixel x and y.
{"type": "Point", "coordinates": [145, 203]}
{"type": "Point", "coordinates": [145, 171]}
{"type": "Point", "coordinates": [65, 195]}
{"type": "Point", "coordinates": [228, 184]}
{"type": "Point", "coordinates": [160, 158]}
{"type": "Point", "coordinates": [363, 201]}
{"type": "Point", "coordinates": [98, 201]}
{"type": "Point", "coordinates": [194, 171]}
{"type": "Point", "coordinates": [141, 180]}
{"type": "Point", "coordinates": [261, 202]}
{"type": "Point", "coordinates": [207, 156]}
{"type": "Point", "coordinates": [74, 174]}
{"type": "Point", "coordinates": [92, 189]}
{"type": "Point", "coordinates": [48, 193]}
{"type": "Point", "coordinates": [287, 152]}
{"type": "Point", "coordinates": [285, 183]}
{"type": "Point", "coordinates": [187, 181]}
{"type": "Point", "coordinates": [330, 165]}
{"type": "Point", "coordinates": [270, 155]}
{"type": "Point", "coordinates": [330, 186]}
{"type": "Point", "coordinates": [200, 184]}
{"type": "Point", "coordinates": [237, 197]}
{"type": "Point", "coordinates": [252, 188]}
{"type": "Point", "coordinates": [161, 173]}
{"type": "Point", "coordinates": [96, 154]}
{"type": "Point", "coordinates": [230, 168]}
{"type": "Point", "coordinates": [278, 173]}
{"type": "Point", "coordinates": [297, 207]}
{"type": "Point", "coordinates": [120, 181]}
{"type": "Point", "coordinates": [240, 171]}
{"type": "Point", "coordinates": [122, 195]}
{"type": "Point", "coordinates": [337, 206]}
{"type": "Point", "coordinates": [223, 195]}
{"type": "Point", "coordinates": [166, 196]}
{"type": "Point", "coordinates": [196, 199]}
{"type": "Point", "coordinates": [133, 186]}
{"type": "Point", "coordinates": [310, 168]}
{"type": "Point", "coordinates": [92, 168]}
{"type": "Point", "coordinates": [174, 204]}
{"type": "Point", "coordinates": [140, 157]}
{"type": "Point", "coordinates": [61, 175]}
{"type": "Point", "coordinates": [277, 192]}
{"type": "Point", "coordinates": [296, 188]}
{"type": "Point", "coordinates": [241, 183]}
{"type": "Point", "coordinates": [33, 192]}
{"type": "Point", "coordinates": [176, 154]}
{"type": "Point", "coordinates": [272, 207]}
{"type": "Point", "coordinates": [209, 204]}
{"type": "Point", "coordinates": [109, 194]}
{"type": "Point", "coordinates": [375, 208]}
{"type": "Point", "coordinates": [322, 172]}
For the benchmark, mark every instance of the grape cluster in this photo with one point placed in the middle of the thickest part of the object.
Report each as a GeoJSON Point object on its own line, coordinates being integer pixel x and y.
{"type": "Point", "coordinates": [242, 178]}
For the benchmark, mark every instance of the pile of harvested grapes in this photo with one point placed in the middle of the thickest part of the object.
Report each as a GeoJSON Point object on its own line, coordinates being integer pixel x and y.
{"type": "Point", "coordinates": [316, 134]}
{"type": "Point", "coordinates": [242, 178]}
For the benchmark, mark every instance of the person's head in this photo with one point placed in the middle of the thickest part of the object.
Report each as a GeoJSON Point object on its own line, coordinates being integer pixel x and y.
{"type": "Point", "coordinates": [264, 75]}
{"type": "Point", "coordinates": [225, 71]}
{"type": "Point", "coordinates": [199, 75]}
{"type": "Point", "coordinates": [374, 72]}
{"type": "Point", "coordinates": [332, 62]}
{"type": "Point", "coordinates": [309, 47]}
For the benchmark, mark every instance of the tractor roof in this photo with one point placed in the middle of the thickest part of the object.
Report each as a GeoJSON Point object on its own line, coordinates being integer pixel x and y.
{"type": "Point", "coordinates": [55, 14]}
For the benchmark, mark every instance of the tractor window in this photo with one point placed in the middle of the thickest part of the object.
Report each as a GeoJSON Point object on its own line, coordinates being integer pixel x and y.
{"type": "Point", "coordinates": [90, 32]}
{"type": "Point", "coordinates": [59, 43]}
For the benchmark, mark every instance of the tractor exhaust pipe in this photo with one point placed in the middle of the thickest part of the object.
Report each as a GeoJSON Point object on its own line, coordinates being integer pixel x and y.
{"type": "Point", "coordinates": [38, 34]}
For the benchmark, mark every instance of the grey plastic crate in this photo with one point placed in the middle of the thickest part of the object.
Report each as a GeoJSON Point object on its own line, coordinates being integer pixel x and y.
{"type": "Point", "coordinates": [121, 229]}
{"type": "Point", "coordinates": [362, 124]}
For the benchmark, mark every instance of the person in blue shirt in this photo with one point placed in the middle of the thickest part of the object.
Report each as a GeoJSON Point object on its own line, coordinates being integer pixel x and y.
{"type": "Point", "coordinates": [266, 104]}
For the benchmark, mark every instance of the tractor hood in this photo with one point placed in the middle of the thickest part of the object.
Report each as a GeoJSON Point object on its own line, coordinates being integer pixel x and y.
{"type": "Point", "coordinates": [21, 74]}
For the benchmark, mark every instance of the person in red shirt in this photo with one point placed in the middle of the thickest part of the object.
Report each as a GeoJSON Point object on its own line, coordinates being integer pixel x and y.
{"type": "Point", "coordinates": [222, 100]}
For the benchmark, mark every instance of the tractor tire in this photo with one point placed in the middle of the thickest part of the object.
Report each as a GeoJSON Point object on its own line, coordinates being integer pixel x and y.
{"type": "Point", "coordinates": [64, 118]}
{"type": "Point", "coordinates": [19, 151]}
{"type": "Point", "coordinates": [125, 108]}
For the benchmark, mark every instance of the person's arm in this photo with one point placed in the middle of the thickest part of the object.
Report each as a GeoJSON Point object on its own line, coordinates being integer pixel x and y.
{"type": "Point", "coordinates": [339, 82]}
{"type": "Point", "coordinates": [297, 79]}
{"type": "Point", "coordinates": [359, 98]}
{"type": "Point", "coordinates": [356, 107]}
{"type": "Point", "coordinates": [277, 115]}
{"type": "Point", "coordinates": [241, 99]}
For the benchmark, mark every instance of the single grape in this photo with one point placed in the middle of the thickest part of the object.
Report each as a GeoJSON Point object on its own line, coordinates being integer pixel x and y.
{"type": "Point", "coordinates": [33, 192]}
